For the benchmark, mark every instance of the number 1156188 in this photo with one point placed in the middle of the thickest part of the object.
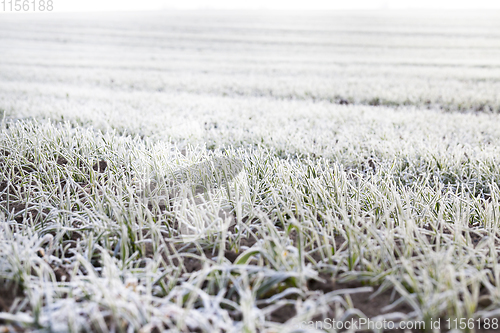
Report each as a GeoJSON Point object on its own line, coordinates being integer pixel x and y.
{"type": "Point", "coordinates": [26, 5]}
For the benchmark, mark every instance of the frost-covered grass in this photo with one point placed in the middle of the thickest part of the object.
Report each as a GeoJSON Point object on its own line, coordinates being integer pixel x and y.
{"type": "Point", "coordinates": [202, 174]}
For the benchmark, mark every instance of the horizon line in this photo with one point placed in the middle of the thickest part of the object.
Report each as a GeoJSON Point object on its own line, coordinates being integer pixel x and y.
{"type": "Point", "coordinates": [215, 9]}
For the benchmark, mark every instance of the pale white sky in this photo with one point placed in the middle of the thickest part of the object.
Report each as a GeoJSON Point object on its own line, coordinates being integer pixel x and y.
{"type": "Point", "coordinates": [119, 5]}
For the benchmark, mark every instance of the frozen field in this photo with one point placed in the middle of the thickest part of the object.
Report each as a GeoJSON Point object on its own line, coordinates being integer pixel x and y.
{"type": "Point", "coordinates": [249, 172]}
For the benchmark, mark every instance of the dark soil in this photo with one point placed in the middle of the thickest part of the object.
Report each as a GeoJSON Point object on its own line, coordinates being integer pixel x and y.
{"type": "Point", "coordinates": [62, 274]}
{"type": "Point", "coordinates": [371, 307]}
{"type": "Point", "coordinates": [100, 166]}
{"type": "Point", "coordinates": [244, 241]}
{"type": "Point", "coordinates": [61, 160]}
{"type": "Point", "coordinates": [231, 256]}
{"type": "Point", "coordinates": [284, 313]}
{"type": "Point", "coordinates": [8, 294]}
